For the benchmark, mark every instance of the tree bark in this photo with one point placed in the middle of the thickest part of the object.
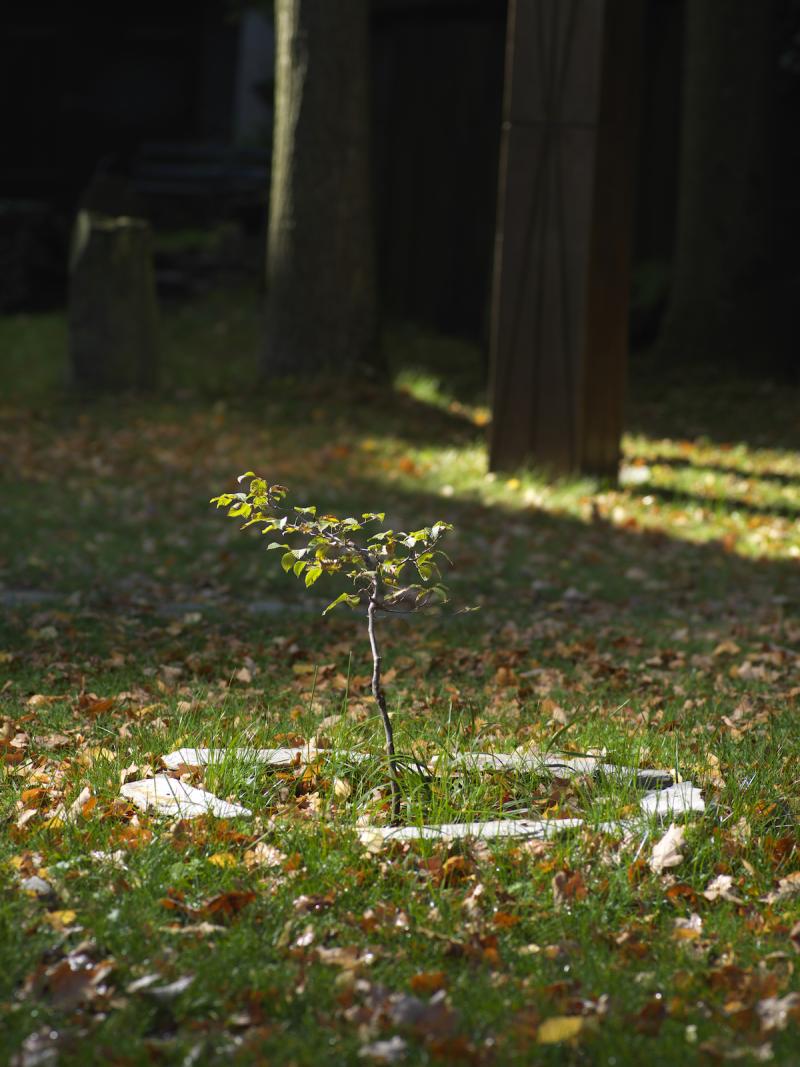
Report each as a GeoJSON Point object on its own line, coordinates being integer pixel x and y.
{"type": "Point", "coordinates": [113, 312]}
{"type": "Point", "coordinates": [321, 303]}
{"type": "Point", "coordinates": [560, 300]}
{"type": "Point", "coordinates": [722, 238]}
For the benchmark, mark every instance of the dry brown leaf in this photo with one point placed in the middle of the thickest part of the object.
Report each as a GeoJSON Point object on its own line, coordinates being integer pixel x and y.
{"type": "Point", "coordinates": [787, 887]}
{"type": "Point", "coordinates": [667, 851]}
{"type": "Point", "coordinates": [719, 888]}
{"type": "Point", "coordinates": [568, 886]}
{"type": "Point", "coordinates": [428, 982]}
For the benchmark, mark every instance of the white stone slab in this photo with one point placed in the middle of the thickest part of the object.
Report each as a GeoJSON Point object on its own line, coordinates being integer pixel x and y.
{"type": "Point", "coordinates": [202, 757]}
{"type": "Point", "coordinates": [493, 828]}
{"type": "Point", "coordinates": [559, 766]}
{"type": "Point", "coordinates": [172, 797]}
{"type": "Point", "coordinates": [677, 800]}
{"type": "Point", "coordinates": [271, 757]}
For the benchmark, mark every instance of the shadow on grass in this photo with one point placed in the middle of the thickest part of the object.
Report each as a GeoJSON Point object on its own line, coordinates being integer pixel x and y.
{"type": "Point", "coordinates": [757, 474]}
{"type": "Point", "coordinates": [724, 408]}
{"type": "Point", "coordinates": [725, 503]}
{"type": "Point", "coordinates": [604, 582]}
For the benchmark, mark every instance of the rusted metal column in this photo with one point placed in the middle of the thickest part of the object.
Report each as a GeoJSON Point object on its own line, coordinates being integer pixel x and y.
{"type": "Point", "coordinates": [560, 292]}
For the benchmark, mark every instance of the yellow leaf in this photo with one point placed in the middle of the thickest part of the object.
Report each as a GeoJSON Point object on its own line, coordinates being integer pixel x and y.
{"type": "Point", "coordinates": [223, 859]}
{"type": "Point", "coordinates": [559, 1028]}
{"type": "Point", "coordinates": [90, 756]}
{"type": "Point", "coordinates": [59, 919]}
{"type": "Point", "coordinates": [513, 483]}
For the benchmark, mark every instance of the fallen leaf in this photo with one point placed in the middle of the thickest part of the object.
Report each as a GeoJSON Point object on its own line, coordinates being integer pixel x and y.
{"type": "Point", "coordinates": [39, 700]}
{"type": "Point", "coordinates": [60, 919]}
{"type": "Point", "coordinates": [650, 1019]}
{"type": "Point", "coordinates": [428, 982]}
{"type": "Point", "coordinates": [787, 887]}
{"type": "Point", "coordinates": [666, 852]}
{"type": "Point", "coordinates": [391, 1051]}
{"type": "Point", "coordinates": [79, 804]}
{"type": "Point", "coordinates": [222, 905]}
{"type": "Point", "coordinates": [264, 855]}
{"type": "Point", "coordinates": [223, 859]}
{"type": "Point", "coordinates": [560, 1028]}
{"type": "Point", "coordinates": [73, 979]}
{"type": "Point", "coordinates": [719, 888]}
{"type": "Point", "coordinates": [348, 957]}
{"type": "Point", "coordinates": [688, 929]}
{"type": "Point", "coordinates": [567, 887]}
{"type": "Point", "coordinates": [171, 990]}
{"type": "Point", "coordinates": [775, 1012]}
{"type": "Point", "coordinates": [226, 905]}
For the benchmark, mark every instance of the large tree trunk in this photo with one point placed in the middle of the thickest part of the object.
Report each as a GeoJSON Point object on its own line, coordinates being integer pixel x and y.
{"type": "Point", "coordinates": [321, 313]}
{"type": "Point", "coordinates": [722, 239]}
{"type": "Point", "coordinates": [560, 301]}
{"type": "Point", "coordinates": [113, 311]}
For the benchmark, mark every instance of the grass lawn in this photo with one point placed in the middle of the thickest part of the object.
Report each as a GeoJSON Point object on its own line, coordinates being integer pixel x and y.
{"type": "Point", "coordinates": [655, 625]}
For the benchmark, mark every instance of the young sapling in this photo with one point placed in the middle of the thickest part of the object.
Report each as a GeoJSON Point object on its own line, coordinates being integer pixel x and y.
{"type": "Point", "coordinates": [389, 571]}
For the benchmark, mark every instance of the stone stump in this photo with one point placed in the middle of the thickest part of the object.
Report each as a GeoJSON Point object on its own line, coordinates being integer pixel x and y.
{"type": "Point", "coordinates": [113, 312]}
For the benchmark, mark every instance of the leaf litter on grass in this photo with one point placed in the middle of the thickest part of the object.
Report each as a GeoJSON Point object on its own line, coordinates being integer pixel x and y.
{"type": "Point", "coordinates": [656, 631]}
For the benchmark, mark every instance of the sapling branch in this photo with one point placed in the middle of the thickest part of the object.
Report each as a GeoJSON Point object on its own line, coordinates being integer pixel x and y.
{"type": "Point", "coordinates": [373, 562]}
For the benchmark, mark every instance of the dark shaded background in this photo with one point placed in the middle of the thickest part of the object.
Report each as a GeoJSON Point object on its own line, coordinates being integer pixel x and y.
{"type": "Point", "coordinates": [84, 90]}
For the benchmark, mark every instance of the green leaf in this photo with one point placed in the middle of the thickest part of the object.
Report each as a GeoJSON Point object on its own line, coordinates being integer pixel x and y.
{"type": "Point", "coordinates": [274, 544]}
{"type": "Point", "coordinates": [312, 574]}
{"type": "Point", "coordinates": [299, 567]}
{"type": "Point", "coordinates": [345, 598]}
{"type": "Point", "coordinates": [287, 561]}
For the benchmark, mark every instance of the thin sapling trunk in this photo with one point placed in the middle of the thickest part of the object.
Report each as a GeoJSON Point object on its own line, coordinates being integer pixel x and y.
{"type": "Point", "coordinates": [380, 700]}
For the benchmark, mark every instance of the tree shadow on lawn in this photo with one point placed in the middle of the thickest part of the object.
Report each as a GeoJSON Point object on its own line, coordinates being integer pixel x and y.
{"type": "Point", "coordinates": [606, 579]}
{"type": "Point", "coordinates": [728, 410]}
{"type": "Point", "coordinates": [724, 503]}
{"type": "Point", "coordinates": [679, 465]}
{"type": "Point", "coordinates": [645, 570]}
{"type": "Point", "coordinates": [626, 609]}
